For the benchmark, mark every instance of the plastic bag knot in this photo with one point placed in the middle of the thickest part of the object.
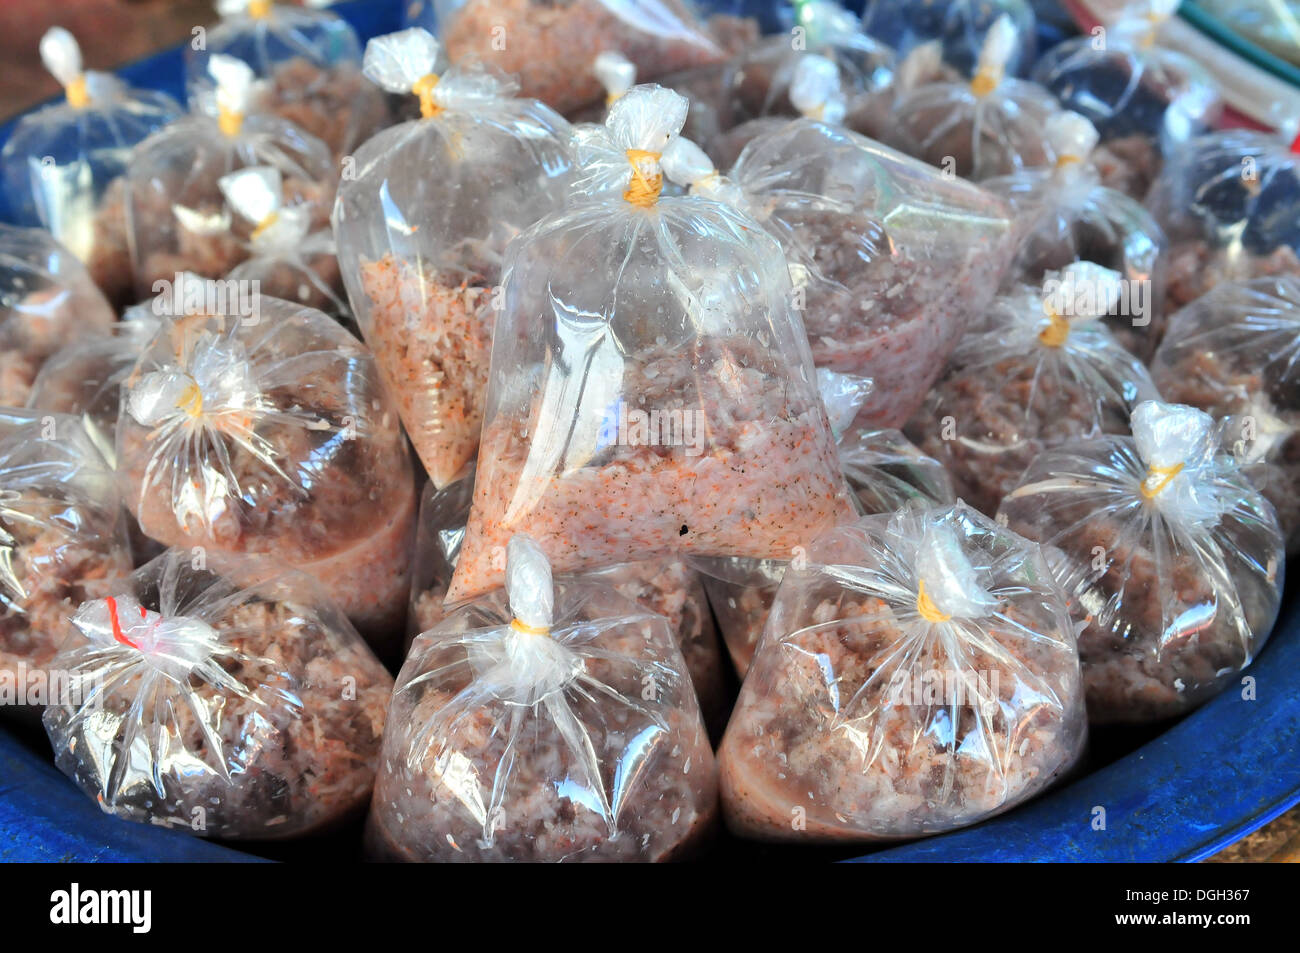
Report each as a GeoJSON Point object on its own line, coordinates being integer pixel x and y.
{"type": "Point", "coordinates": [643, 191]}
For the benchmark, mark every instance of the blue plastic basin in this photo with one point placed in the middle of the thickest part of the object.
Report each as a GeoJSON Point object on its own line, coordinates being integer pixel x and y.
{"type": "Point", "coordinates": [1183, 794]}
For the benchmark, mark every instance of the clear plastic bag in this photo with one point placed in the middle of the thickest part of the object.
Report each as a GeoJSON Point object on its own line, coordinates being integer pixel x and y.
{"type": "Point", "coordinates": [1073, 217]}
{"type": "Point", "coordinates": [223, 711]}
{"type": "Point", "coordinates": [541, 41]}
{"type": "Point", "coordinates": [177, 216]}
{"type": "Point", "coordinates": [1233, 353]}
{"type": "Point", "coordinates": [309, 62]}
{"type": "Point", "coordinates": [1230, 203]}
{"type": "Point", "coordinates": [917, 675]}
{"type": "Point", "coordinates": [288, 260]}
{"type": "Point", "coordinates": [60, 161]}
{"type": "Point", "coordinates": [666, 587]}
{"type": "Point", "coordinates": [61, 538]}
{"type": "Point", "coordinates": [957, 28]}
{"type": "Point", "coordinates": [1145, 100]}
{"type": "Point", "coordinates": [884, 471]}
{"type": "Point", "coordinates": [270, 434]}
{"type": "Point", "coordinates": [1038, 371]}
{"type": "Point", "coordinates": [990, 125]}
{"type": "Point", "coordinates": [422, 228]}
{"type": "Point", "coordinates": [1171, 558]}
{"type": "Point", "coordinates": [890, 258]}
{"type": "Point", "coordinates": [553, 721]}
{"type": "Point", "coordinates": [770, 78]}
{"type": "Point", "coordinates": [46, 298]}
{"type": "Point", "coordinates": [84, 377]}
{"type": "Point", "coordinates": [652, 391]}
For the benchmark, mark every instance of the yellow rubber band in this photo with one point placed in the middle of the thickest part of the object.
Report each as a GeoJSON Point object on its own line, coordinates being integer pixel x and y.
{"type": "Point", "coordinates": [925, 605]}
{"type": "Point", "coordinates": [643, 192]}
{"type": "Point", "coordinates": [1166, 476]}
{"type": "Point", "coordinates": [264, 224]}
{"type": "Point", "coordinates": [1067, 159]}
{"type": "Point", "coordinates": [1057, 330]}
{"type": "Point", "coordinates": [520, 626]}
{"type": "Point", "coordinates": [259, 9]}
{"type": "Point", "coordinates": [984, 82]}
{"type": "Point", "coordinates": [229, 121]}
{"type": "Point", "coordinates": [192, 400]}
{"type": "Point", "coordinates": [78, 95]}
{"type": "Point", "coordinates": [423, 88]}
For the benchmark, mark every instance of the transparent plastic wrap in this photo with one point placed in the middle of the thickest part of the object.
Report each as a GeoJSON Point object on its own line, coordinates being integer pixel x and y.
{"type": "Point", "coordinates": [222, 711]}
{"type": "Point", "coordinates": [309, 64]}
{"type": "Point", "coordinates": [61, 161]}
{"type": "Point", "coordinates": [1039, 370]}
{"type": "Point", "coordinates": [957, 28]}
{"type": "Point", "coordinates": [1230, 203]}
{"type": "Point", "coordinates": [176, 215]}
{"type": "Point", "coordinates": [667, 587]}
{"type": "Point", "coordinates": [422, 228]}
{"type": "Point", "coordinates": [1073, 217]}
{"type": "Point", "coordinates": [541, 41]}
{"type": "Point", "coordinates": [890, 259]}
{"type": "Point", "coordinates": [1272, 24]}
{"type": "Point", "coordinates": [288, 260]}
{"type": "Point", "coordinates": [990, 125]}
{"type": "Point", "coordinates": [771, 79]}
{"type": "Point", "coordinates": [46, 298]}
{"type": "Point", "coordinates": [919, 674]}
{"type": "Point", "coordinates": [652, 393]}
{"type": "Point", "coordinates": [1236, 353]}
{"type": "Point", "coordinates": [553, 721]}
{"type": "Point", "coordinates": [84, 377]}
{"type": "Point", "coordinates": [61, 537]}
{"type": "Point", "coordinates": [884, 471]}
{"type": "Point", "coordinates": [270, 434]}
{"type": "Point", "coordinates": [1172, 560]}
{"type": "Point", "coordinates": [1145, 100]}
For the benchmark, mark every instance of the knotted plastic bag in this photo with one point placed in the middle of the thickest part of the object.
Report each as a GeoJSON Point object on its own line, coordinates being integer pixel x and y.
{"type": "Point", "coordinates": [177, 215]}
{"type": "Point", "coordinates": [309, 61]}
{"type": "Point", "coordinates": [542, 42]}
{"type": "Point", "coordinates": [1073, 217]}
{"type": "Point", "coordinates": [1039, 370]}
{"type": "Point", "coordinates": [956, 29]}
{"type": "Point", "coordinates": [422, 228]}
{"type": "Point", "coordinates": [61, 161]}
{"type": "Point", "coordinates": [1234, 353]}
{"type": "Point", "coordinates": [1170, 556]}
{"type": "Point", "coordinates": [850, 80]}
{"type": "Point", "coordinates": [1145, 100]}
{"type": "Point", "coordinates": [267, 432]}
{"type": "Point", "coordinates": [84, 377]}
{"type": "Point", "coordinates": [918, 674]}
{"type": "Point", "coordinates": [46, 298]}
{"type": "Point", "coordinates": [884, 471]}
{"type": "Point", "coordinates": [990, 125]}
{"type": "Point", "coordinates": [61, 542]}
{"type": "Point", "coordinates": [890, 259]}
{"type": "Point", "coordinates": [223, 711]}
{"type": "Point", "coordinates": [667, 587]}
{"type": "Point", "coordinates": [288, 259]}
{"type": "Point", "coordinates": [553, 721]}
{"type": "Point", "coordinates": [651, 391]}
{"type": "Point", "coordinates": [1230, 203]}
